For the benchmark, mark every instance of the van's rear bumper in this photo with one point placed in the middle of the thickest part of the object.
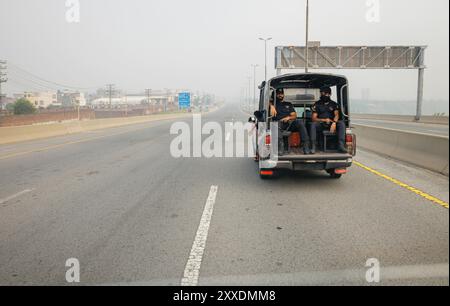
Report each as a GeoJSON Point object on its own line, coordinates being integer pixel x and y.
{"type": "Point", "coordinates": [301, 166]}
{"type": "Point", "coordinates": [317, 157]}
{"type": "Point", "coordinates": [306, 163]}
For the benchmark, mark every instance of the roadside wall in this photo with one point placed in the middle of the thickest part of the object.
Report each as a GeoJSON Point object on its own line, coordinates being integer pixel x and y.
{"type": "Point", "coordinates": [56, 116]}
{"type": "Point", "coordinates": [53, 116]}
{"type": "Point", "coordinates": [32, 132]}
{"type": "Point", "coordinates": [426, 151]}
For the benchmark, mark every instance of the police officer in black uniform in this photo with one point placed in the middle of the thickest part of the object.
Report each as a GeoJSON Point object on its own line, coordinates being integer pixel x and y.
{"type": "Point", "coordinates": [284, 113]}
{"type": "Point", "coordinates": [326, 117]}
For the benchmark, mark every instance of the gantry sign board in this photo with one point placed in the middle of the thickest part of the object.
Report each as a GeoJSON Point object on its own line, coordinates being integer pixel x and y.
{"type": "Point", "coordinates": [388, 57]}
{"type": "Point", "coordinates": [355, 57]}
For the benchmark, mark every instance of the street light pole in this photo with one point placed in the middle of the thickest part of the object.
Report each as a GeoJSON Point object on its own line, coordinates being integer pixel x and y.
{"type": "Point", "coordinates": [249, 90]}
{"type": "Point", "coordinates": [307, 37]}
{"type": "Point", "coordinates": [254, 84]}
{"type": "Point", "coordinates": [265, 55]}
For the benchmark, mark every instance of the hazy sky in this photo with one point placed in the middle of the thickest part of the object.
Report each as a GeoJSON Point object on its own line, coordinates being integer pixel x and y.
{"type": "Point", "coordinates": [209, 45]}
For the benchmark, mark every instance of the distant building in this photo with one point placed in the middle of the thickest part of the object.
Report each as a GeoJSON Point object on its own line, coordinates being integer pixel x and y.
{"type": "Point", "coordinates": [71, 98]}
{"type": "Point", "coordinates": [5, 101]}
{"type": "Point", "coordinates": [40, 99]}
{"type": "Point", "coordinates": [132, 100]}
{"type": "Point", "coordinates": [160, 98]}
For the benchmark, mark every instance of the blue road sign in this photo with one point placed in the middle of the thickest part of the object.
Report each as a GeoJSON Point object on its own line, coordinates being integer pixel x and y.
{"type": "Point", "coordinates": [184, 100]}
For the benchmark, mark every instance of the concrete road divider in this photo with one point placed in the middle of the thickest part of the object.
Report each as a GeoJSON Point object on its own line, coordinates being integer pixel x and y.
{"type": "Point", "coordinates": [423, 150]}
{"type": "Point", "coordinates": [32, 132]}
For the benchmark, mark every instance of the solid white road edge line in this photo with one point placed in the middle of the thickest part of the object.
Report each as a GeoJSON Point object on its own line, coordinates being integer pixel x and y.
{"type": "Point", "coordinates": [192, 270]}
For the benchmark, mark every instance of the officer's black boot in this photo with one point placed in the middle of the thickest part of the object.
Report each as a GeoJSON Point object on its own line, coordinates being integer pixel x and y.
{"type": "Point", "coordinates": [341, 133]}
{"type": "Point", "coordinates": [306, 149]}
{"type": "Point", "coordinates": [286, 146]}
{"type": "Point", "coordinates": [342, 148]}
{"type": "Point", "coordinates": [281, 147]}
{"type": "Point", "coordinates": [313, 148]}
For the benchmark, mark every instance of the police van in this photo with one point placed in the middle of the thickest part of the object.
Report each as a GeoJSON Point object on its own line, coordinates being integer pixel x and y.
{"type": "Point", "coordinates": [302, 90]}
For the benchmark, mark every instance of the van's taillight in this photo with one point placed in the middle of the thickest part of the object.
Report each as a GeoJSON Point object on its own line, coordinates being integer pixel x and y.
{"type": "Point", "coordinates": [268, 140]}
{"type": "Point", "coordinates": [349, 139]}
{"type": "Point", "coordinates": [340, 171]}
{"type": "Point", "coordinates": [266, 172]}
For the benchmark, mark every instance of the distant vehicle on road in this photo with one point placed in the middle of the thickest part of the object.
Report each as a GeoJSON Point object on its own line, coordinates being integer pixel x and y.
{"type": "Point", "coordinates": [302, 90]}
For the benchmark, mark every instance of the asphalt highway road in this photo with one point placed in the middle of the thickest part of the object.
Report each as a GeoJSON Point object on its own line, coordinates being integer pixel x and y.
{"type": "Point", "coordinates": [424, 128]}
{"type": "Point", "coordinates": [117, 201]}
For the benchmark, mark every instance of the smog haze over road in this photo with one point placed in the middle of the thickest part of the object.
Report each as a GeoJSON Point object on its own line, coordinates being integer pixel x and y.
{"type": "Point", "coordinates": [208, 45]}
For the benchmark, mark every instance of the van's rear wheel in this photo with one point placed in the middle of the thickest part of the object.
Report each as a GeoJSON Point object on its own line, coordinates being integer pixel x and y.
{"type": "Point", "coordinates": [335, 176]}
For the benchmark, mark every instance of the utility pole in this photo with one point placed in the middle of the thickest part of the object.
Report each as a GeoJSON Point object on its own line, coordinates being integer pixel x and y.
{"type": "Point", "coordinates": [307, 38]}
{"type": "Point", "coordinates": [254, 84]}
{"type": "Point", "coordinates": [148, 93]}
{"type": "Point", "coordinates": [126, 104]}
{"type": "Point", "coordinates": [3, 79]}
{"type": "Point", "coordinates": [110, 92]}
{"type": "Point", "coordinates": [166, 101]}
{"type": "Point", "coordinates": [78, 111]}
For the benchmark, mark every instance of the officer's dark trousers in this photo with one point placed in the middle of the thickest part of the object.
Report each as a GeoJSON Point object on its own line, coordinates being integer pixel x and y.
{"type": "Point", "coordinates": [317, 128]}
{"type": "Point", "coordinates": [295, 126]}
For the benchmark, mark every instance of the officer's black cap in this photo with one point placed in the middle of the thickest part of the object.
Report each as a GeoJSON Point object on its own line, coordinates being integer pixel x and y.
{"type": "Point", "coordinates": [325, 89]}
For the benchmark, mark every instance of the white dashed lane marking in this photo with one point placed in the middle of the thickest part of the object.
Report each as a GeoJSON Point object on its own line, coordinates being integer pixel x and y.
{"type": "Point", "coordinates": [3, 201]}
{"type": "Point", "coordinates": [192, 270]}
